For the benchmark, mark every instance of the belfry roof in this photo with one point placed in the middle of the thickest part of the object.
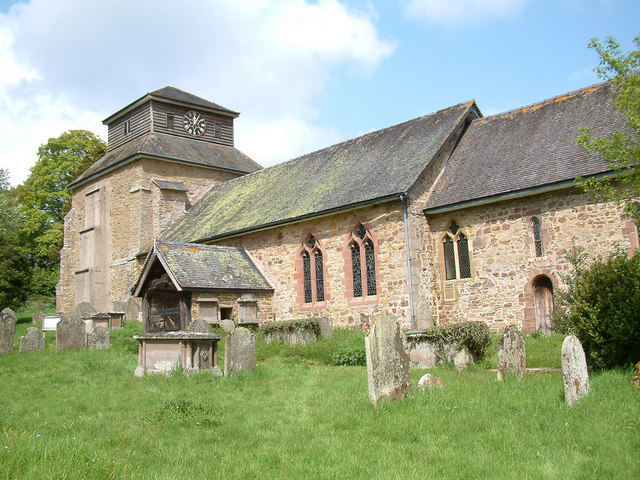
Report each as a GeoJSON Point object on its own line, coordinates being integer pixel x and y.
{"type": "Point", "coordinates": [171, 148]}
{"type": "Point", "coordinates": [375, 167]}
{"type": "Point", "coordinates": [526, 150]}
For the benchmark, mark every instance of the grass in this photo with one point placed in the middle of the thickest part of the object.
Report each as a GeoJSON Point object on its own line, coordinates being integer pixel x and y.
{"type": "Point", "coordinates": [82, 414]}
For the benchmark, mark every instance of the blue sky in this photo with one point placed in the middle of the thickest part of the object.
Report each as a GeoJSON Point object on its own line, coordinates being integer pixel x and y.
{"type": "Point", "coordinates": [303, 74]}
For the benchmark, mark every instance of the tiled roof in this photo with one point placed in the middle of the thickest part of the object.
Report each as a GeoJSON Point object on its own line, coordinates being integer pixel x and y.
{"type": "Point", "coordinates": [374, 167]}
{"type": "Point", "coordinates": [177, 95]}
{"type": "Point", "coordinates": [526, 149]}
{"type": "Point", "coordinates": [194, 266]}
{"type": "Point", "coordinates": [168, 147]}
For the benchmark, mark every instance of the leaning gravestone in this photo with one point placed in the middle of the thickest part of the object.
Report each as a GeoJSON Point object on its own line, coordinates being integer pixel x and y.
{"type": "Point", "coordinates": [38, 316]}
{"type": "Point", "coordinates": [7, 330]}
{"type": "Point", "coordinates": [33, 341]}
{"type": "Point", "coordinates": [574, 370]}
{"type": "Point", "coordinates": [99, 339]}
{"type": "Point", "coordinates": [388, 362]}
{"type": "Point", "coordinates": [512, 357]}
{"type": "Point", "coordinates": [70, 332]}
{"type": "Point", "coordinates": [200, 326]}
{"type": "Point", "coordinates": [239, 351]}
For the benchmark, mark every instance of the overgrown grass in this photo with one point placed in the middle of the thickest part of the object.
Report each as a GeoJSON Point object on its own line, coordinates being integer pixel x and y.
{"type": "Point", "coordinates": [82, 414]}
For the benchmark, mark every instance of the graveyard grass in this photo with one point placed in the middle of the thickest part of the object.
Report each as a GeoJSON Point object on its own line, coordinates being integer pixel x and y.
{"type": "Point", "coordinates": [82, 414]}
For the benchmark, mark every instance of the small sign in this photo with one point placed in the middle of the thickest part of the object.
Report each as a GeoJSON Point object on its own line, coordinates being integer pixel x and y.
{"type": "Point", "coordinates": [50, 322]}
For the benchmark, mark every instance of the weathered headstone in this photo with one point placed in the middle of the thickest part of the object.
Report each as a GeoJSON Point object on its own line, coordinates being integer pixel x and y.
{"type": "Point", "coordinates": [635, 380]}
{"type": "Point", "coordinates": [70, 332]}
{"type": "Point", "coordinates": [512, 358]}
{"type": "Point", "coordinates": [239, 351]}
{"type": "Point", "coordinates": [326, 327]}
{"type": "Point", "coordinates": [388, 361]}
{"type": "Point", "coordinates": [199, 325]}
{"type": "Point", "coordinates": [38, 316]}
{"type": "Point", "coordinates": [33, 341]}
{"type": "Point", "coordinates": [132, 311]}
{"type": "Point", "coordinates": [85, 310]}
{"type": "Point", "coordinates": [7, 330]}
{"type": "Point", "coordinates": [228, 325]}
{"type": "Point", "coordinates": [574, 370]}
{"type": "Point", "coordinates": [99, 339]}
{"type": "Point", "coordinates": [429, 381]}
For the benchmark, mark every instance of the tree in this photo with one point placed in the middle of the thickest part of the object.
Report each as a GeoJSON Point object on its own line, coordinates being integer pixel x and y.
{"type": "Point", "coordinates": [44, 198]}
{"type": "Point", "coordinates": [622, 150]}
{"type": "Point", "coordinates": [14, 277]}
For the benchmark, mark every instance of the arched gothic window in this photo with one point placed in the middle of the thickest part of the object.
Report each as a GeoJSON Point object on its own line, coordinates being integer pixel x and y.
{"type": "Point", "coordinates": [457, 263]}
{"type": "Point", "coordinates": [536, 226]}
{"type": "Point", "coordinates": [312, 270]}
{"type": "Point", "coordinates": [363, 262]}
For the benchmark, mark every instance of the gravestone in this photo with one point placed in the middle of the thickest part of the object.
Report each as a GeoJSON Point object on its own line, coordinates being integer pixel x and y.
{"type": "Point", "coordinates": [239, 351]}
{"type": "Point", "coordinates": [200, 326]}
{"type": "Point", "coordinates": [85, 310]}
{"type": "Point", "coordinates": [38, 316]}
{"type": "Point", "coordinates": [33, 341]}
{"type": "Point", "coordinates": [429, 381]}
{"type": "Point", "coordinates": [99, 339]}
{"type": "Point", "coordinates": [326, 327]}
{"type": "Point", "coordinates": [574, 370]}
{"type": "Point", "coordinates": [512, 358]}
{"type": "Point", "coordinates": [132, 311]}
{"type": "Point", "coordinates": [7, 330]}
{"type": "Point", "coordinates": [70, 332]}
{"type": "Point", "coordinates": [228, 325]}
{"type": "Point", "coordinates": [388, 371]}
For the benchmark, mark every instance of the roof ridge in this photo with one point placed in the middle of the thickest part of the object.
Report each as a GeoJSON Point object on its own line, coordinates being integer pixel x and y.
{"type": "Point", "coordinates": [543, 103]}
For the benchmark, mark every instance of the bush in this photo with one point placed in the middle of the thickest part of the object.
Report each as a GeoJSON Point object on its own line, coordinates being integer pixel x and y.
{"type": "Point", "coordinates": [353, 355]}
{"type": "Point", "coordinates": [476, 336]}
{"type": "Point", "coordinates": [601, 306]}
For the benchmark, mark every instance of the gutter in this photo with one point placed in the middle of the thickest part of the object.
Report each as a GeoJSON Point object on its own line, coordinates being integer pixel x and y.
{"type": "Point", "coordinates": [403, 199]}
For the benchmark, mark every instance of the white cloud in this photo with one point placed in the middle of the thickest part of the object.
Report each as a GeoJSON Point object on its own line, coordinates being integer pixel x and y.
{"type": "Point", "coordinates": [451, 12]}
{"type": "Point", "coordinates": [65, 64]}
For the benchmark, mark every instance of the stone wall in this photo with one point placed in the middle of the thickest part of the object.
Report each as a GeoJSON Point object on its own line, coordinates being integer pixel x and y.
{"type": "Point", "coordinates": [276, 253]}
{"type": "Point", "coordinates": [264, 301]}
{"type": "Point", "coordinates": [503, 256]}
{"type": "Point", "coordinates": [104, 254]}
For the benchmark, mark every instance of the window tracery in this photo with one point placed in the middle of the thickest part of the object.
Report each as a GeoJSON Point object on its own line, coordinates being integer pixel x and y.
{"type": "Point", "coordinates": [312, 270]}
{"type": "Point", "coordinates": [455, 245]}
{"type": "Point", "coordinates": [363, 262]}
{"type": "Point", "coordinates": [537, 235]}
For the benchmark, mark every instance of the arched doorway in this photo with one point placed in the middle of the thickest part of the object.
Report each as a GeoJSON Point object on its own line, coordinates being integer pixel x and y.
{"type": "Point", "coordinates": [543, 302]}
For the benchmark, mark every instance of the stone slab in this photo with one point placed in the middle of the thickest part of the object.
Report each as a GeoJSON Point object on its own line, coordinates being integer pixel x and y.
{"type": "Point", "coordinates": [429, 381]}
{"type": "Point", "coordinates": [99, 339]}
{"type": "Point", "coordinates": [7, 330]}
{"type": "Point", "coordinates": [70, 332]}
{"type": "Point", "coordinates": [199, 325]}
{"type": "Point", "coordinates": [388, 363]}
{"type": "Point", "coordinates": [574, 370]}
{"type": "Point", "coordinates": [239, 351]}
{"type": "Point", "coordinates": [512, 357]}
{"type": "Point", "coordinates": [33, 341]}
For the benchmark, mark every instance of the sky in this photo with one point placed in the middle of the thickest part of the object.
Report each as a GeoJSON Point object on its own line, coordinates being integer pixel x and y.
{"type": "Point", "coordinates": [303, 74]}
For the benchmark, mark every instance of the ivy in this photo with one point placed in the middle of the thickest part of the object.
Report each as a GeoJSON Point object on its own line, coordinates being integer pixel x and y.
{"type": "Point", "coordinates": [475, 336]}
{"type": "Point", "coordinates": [289, 326]}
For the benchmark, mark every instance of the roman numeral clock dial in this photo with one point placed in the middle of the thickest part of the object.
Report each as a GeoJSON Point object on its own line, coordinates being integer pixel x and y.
{"type": "Point", "coordinates": [194, 123]}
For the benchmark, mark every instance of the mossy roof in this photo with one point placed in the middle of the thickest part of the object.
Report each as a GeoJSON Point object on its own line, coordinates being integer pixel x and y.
{"type": "Point", "coordinates": [527, 150]}
{"type": "Point", "coordinates": [374, 167]}
{"type": "Point", "coordinates": [204, 267]}
{"type": "Point", "coordinates": [171, 148]}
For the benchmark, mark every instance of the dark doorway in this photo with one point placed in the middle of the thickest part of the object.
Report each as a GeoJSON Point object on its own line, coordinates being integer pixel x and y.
{"type": "Point", "coordinates": [225, 313]}
{"type": "Point", "coordinates": [543, 302]}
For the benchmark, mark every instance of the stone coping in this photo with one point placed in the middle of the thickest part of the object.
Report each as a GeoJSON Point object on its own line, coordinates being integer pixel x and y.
{"type": "Point", "coordinates": [178, 336]}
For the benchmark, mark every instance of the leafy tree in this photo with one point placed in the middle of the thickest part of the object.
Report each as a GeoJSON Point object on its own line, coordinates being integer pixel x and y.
{"type": "Point", "coordinates": [622, 150]}
{"type": "Point", "coordinates": [44, 198]}
{"type": "Point", "coordinates": [601, 306]}
{"type": "Point", "coordinates": [14, 269]}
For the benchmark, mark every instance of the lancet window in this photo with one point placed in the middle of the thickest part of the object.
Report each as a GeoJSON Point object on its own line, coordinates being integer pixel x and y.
{"type": "Point", "coordinates": [363, 262]}
{"type": "Point", "coordinates": [312, 270]}
{"type": "Point", "coordinates": [536, 226]}
{"type": "Point", "coordinates": [455, 245]}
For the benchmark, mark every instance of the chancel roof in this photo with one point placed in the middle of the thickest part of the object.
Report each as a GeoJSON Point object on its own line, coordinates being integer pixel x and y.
{"type": "Point", "coordinates": [374, 167]}
{"type": "Point", "coordinates": [171, 148]}
{"type": "Point", "coordinates": [526, 150]}
{"type": "Point", "coordinates": [193, 266]}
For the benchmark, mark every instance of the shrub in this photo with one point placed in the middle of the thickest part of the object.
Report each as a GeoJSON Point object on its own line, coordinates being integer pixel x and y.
{"type": "Point", "coordinates": [601, 306]}
{"type": "Point", "coordinates": [311, 324]}
{"type": "Point", "coordinates": [476, 336]}
{"type": "Point", "coordinates": [352, 355]}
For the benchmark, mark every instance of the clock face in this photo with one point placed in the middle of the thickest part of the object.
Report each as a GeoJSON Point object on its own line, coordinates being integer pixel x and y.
{"type": "Point", "coordinates": [194, 123]}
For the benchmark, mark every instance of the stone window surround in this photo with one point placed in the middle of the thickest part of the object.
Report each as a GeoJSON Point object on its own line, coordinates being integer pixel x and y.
{"type": "Point", "coordinates": [544, 229]}
{"type": "Point", "coordinates": [451, 286]}
{"type": "Point", "coordinates": [526, 299]}
{"type": "Point", "coordinates": [631, 229]}
{"type": "Point", "coordinates": [348, 275]}
{"type": "Point", "coordinates": [299, 272]}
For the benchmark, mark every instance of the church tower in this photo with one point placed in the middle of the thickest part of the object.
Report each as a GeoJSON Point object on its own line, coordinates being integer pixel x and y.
{"type": "Point", "coordinates": [164, 151]}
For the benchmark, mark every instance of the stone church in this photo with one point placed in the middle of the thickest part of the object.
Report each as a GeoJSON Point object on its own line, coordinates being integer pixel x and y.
{"type": "Point", "coordinates": [448, 217]}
